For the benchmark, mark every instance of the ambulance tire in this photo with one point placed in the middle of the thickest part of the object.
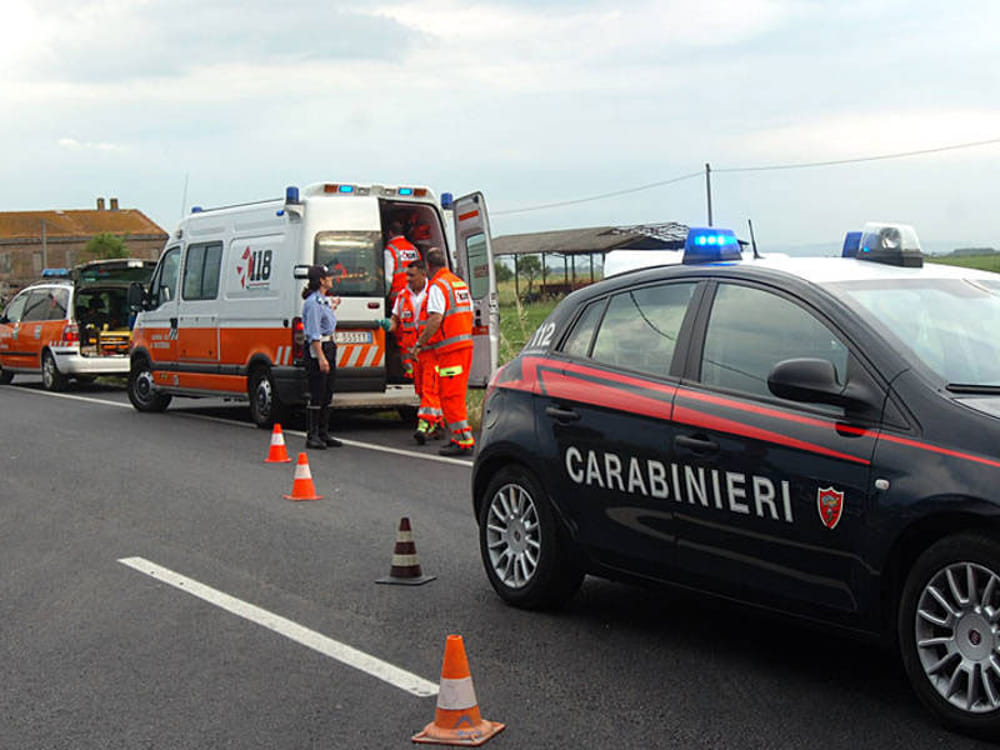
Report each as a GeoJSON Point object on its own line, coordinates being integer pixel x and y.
{"type": "Point", "coordinates": [265, 406]}
{"type": "Point", "coordinates": [6, 376]}
{"type": "Point", "coordinates": [523, 552]}
{"type": "Point", "coordinates": [52, 379]}
{"type": "Point", "coordinates": [140, 389]}
{"type": "Point", "coordinates": [947, 634]}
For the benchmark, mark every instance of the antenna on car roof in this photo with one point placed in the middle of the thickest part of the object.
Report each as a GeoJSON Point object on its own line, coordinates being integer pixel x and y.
{"type": "Point", "coordinates": [753, 241]}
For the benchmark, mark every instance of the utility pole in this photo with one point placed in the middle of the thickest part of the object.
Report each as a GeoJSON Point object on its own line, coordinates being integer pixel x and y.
{"type": "Point", "coordinates": [708, 190]}
{"type": "Point", "coordinates": [45, 248]}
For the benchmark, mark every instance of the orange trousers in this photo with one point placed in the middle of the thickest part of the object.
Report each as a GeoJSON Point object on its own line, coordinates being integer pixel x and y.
{"type": "Point", "coordinates": [425, 383]}
{"type": "Point", "coordinates": [453, 382]}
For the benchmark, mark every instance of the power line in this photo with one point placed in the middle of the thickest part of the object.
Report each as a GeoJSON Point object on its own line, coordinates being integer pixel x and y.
{"type": "Point", "coordinates": [765, 168]}
{"type": "Point", "coordinates": [600, 197]}
{"type": "Point", "coordinates": [859, 159]}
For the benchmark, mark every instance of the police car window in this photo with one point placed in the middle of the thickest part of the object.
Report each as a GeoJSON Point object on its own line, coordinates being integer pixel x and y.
{"type": "Point", "coordinates": [751, 330]}
{"type": "Point", "coordinates": [577, 344]}
{"type": "Point", "coordinates": [639, 330]}
{"type": "Point", "coordinates": [201, 271]}
{"type": "Point", "coordinates": [356, 261]}
{"type": "Point", "coordinates": [15, 310]}
{"type": "Point", "coordinates": [37, 307]}
{"type": "Point", "coordinates": [165, 282]}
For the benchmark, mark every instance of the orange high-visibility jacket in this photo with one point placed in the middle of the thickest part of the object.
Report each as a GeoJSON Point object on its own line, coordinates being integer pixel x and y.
{"type": "Point", "coordinates": [456, 325]}
{"type": "Point", "coordinates": [408, 315]}
{"type": "Point", "coordinates": [403, 254]}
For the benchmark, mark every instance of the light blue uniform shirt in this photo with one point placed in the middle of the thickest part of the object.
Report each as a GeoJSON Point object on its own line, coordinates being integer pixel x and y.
{"type": "Point", "coordinates": [318, 318]}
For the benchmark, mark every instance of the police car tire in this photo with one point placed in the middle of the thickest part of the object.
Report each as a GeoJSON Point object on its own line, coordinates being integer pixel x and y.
{"type": "Point", "coordinates": [6, 376]}
{"type": "Point", "coordinates": [977, 550]}
{"type": "Point", "coordinates": [264, 420]}
{"type": "Point", "coordinates": [142, 401]}
{"type": "Point", "coordinates": [52, 379]}
{"type": "Point", "coordinates": [555, 579]}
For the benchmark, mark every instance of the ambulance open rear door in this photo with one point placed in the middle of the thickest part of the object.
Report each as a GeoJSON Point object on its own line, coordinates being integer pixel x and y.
{"type": "Point", "coordinates": [474, 263]}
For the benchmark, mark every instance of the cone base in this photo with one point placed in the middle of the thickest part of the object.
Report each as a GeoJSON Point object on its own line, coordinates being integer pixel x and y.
{"type": "Point", "coordinates": [416, 581]}
{"type": "Point", "coordinates": [285, 460]}
{"type": "Point", "coordinates": [313, 497]}
{"type": "Point", "coordinates": [435, 735]}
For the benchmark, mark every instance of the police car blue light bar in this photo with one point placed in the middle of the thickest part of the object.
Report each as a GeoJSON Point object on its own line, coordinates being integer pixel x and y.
{"type": "Point", "coordinates": [55, 272]}
{"type": "Point", "coordinates": [711, 245]}
{"type": "Point", "coordinates": [894, 244]}
{"type": "Point", "coordinates": [852, 241]}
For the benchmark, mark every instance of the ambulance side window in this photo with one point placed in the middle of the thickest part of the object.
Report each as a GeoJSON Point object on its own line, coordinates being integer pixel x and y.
{"type": "Point", "coordinates": [58, 302]}
{"type": "Point", "coordinates": [201, 271]}
{"type": "Point", "coordinates": [640, 328]}
{"type": "Point", "coordinates": [37, 307]}
{"type": "Point", "coordinates": [164, 286]}
{"type": "Point", "coordinates": [750, 330]}
{"type": "Point", "coordinates": [15, 310]}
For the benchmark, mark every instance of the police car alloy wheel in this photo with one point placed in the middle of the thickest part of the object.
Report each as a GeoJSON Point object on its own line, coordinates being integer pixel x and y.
{"type": "Point", "coordinates": [52, 379]}
{"type": "Point", "coordinates": [140, 389]}
{"type": "Point", "coordinates": [949, 632]}
{"type": "Point", "coordinates": [521, 549]}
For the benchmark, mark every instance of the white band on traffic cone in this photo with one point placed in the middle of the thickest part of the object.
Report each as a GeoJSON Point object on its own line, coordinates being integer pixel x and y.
{"type": "Point", "coordinates": [456, 695]}
{"type": "Point", "coordinates": [302, 472]}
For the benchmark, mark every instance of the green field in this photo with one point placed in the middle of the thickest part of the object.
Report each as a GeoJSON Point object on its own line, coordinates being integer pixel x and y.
{"type": "Point", "coordinates": [982, 262]}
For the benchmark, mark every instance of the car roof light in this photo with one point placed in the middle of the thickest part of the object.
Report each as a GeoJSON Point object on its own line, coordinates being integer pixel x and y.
{"type": "Point", "coordinates": [852, 241]}
{"type": "Point", "coordinates": [711, 245]}
{"type": "Point", "coordinates": [447, 200]}
{"type": "Point", "coordinates": [406, 191]}
{"type": "Point", "coordinates": [893, 244]}
{"type": "Point", "coordinates": [346, 189]}
{"type": "Point", "coordinates": [196, 209]}
{"type": "Point", "coordinates": [291, 194]}
{"type": "Point", "coordinates": [55, 272]}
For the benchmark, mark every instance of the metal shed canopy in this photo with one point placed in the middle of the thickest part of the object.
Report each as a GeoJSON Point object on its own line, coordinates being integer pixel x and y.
{"type": "Point", "coordinates": [592, 240]}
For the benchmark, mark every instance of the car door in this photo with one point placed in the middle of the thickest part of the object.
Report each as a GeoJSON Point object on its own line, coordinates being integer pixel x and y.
{"type": "Point", "coordinates": [198, 324]}
{"type": "Point", "coordinates": [32, 331]}
{"type": "Point", "coordinates": [771, 495]}
{"type": "Point", "coordinates": [603, 415]}
{"type": "Point", "coordinates": [12, 354]}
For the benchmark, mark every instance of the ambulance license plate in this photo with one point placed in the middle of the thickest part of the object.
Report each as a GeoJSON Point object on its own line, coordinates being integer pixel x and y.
{"type": "Point", "coordinates": [353, 337]}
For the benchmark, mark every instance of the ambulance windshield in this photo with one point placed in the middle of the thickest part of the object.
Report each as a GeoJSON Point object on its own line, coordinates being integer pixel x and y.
{"type": "Point", "coordinates": [355, 259]}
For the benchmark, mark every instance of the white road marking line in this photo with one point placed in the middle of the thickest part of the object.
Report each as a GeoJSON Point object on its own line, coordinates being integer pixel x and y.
{"type": "Point", "coordinates": [352, 657]}
{"type": "Point", "coordinates": [234, 423]}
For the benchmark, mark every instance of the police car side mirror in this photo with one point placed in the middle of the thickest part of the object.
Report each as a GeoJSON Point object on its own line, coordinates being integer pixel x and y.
{"type": "Point", "coordinates": [137, 298]}
{"type": "Point", "coordinates": [814, 381]}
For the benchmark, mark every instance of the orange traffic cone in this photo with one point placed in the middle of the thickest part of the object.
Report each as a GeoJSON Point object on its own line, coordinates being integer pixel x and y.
{"type": "Point", "coordinates": [405, 568]}
{"type": "Point", "coordinates": [303, 487]}
{"type": "Point", "coordinates": [277, 453]}
{"type": "Point", "coordinates": [457, 720]}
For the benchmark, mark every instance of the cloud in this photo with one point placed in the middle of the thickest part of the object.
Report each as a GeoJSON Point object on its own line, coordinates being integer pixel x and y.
{"type": "Point", "coordinates": [72, 144]}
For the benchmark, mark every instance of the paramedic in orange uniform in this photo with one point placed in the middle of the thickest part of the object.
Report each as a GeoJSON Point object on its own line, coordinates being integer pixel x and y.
{"type": "Point", "coordinates": [399, 253]}
{"type": "Point", "coordinates": [449, 334]}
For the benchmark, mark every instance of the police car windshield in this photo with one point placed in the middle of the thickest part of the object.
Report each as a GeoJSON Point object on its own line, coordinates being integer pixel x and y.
{"type": "Point", "coordinates": [355, 257]}
{"type": "Point", "coordinates": [950, 325]}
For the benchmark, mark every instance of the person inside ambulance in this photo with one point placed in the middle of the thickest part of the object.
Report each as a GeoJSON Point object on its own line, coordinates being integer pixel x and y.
{"type": "Point", "coordinates": [399, 253]}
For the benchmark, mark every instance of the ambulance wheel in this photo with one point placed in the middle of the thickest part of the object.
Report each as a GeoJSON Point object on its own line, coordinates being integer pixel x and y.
{"type": "Point", "coordinates": [141, 392]}
{"type": "Point", "coordinates": [522, 551]}
{"type": "Point", "coordinates": [52, 379]}
{"type": "Point", "coordinates": [949, 632]}
{"type": "Point", "coordinates": [6, 376]}
{"type": "Point", "coordinates": [265, 406]}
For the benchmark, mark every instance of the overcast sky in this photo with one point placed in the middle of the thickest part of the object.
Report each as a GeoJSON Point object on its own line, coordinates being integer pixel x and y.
{"type": "Point", "coordinates": [531, 101]}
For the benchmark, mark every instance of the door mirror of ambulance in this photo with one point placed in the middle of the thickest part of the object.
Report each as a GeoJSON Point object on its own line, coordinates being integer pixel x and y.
{"type": "Point", "coordinates": [137, 298]}
{"type": "Point", "coordinates": [301, 272]}
{"type": "Point", "coordinates": [815, 381]}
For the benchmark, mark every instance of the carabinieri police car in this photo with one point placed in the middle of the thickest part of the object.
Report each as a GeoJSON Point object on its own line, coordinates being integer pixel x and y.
{"type": "Point", "coordinates": [816, 436]}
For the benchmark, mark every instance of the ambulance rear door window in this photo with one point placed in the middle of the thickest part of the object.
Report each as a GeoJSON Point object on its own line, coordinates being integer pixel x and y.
{"type": "Point", "coordinates": [355, 257]}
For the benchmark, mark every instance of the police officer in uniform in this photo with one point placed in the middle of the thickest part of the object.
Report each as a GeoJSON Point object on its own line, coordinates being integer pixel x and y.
{"type": "Point", "coordinates": [320, 322]}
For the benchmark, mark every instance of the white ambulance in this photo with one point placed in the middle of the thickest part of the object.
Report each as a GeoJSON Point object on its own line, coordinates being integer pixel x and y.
{"type": "Point", "coordinates": [221, 316]}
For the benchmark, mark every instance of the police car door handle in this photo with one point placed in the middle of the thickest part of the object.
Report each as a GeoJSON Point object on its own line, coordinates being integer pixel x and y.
{"type": "Point", "coordinates": [564, 415]}
{"type": "Point", "coordinates": [696, 444]}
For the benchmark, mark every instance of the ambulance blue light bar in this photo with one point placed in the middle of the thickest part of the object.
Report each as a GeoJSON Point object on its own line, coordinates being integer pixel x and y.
{"type": "Point", "coordinates": [55, 272]}
{"type": "Point", "coordinates": [852, 241]}
{"type": "Point", "coordinates": [406, 191]}
{"type": "Point", "coordinates": [711, 245]}
{"type": "Point", "coordinates": [447, 201]}
{"type": "Point", "coordinates": [291, 194]}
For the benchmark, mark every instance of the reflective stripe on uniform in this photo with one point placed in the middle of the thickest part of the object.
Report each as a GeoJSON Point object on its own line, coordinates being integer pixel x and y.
{"type": "Point", "coordinates": [450, 372]}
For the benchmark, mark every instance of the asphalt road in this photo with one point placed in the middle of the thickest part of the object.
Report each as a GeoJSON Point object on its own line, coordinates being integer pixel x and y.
{"type": "Point", "coordinates": [97, 653]}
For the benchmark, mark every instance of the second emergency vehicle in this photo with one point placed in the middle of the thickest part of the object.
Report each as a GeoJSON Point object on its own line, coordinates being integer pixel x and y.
{"type": "Point", "coordinates": [222, 314]}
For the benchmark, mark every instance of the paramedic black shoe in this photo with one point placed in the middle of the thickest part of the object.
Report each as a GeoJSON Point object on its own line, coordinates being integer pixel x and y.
{"type": "Point", "coordinates": [454, 449]}
{"type": "Point", "coordinates": [422, 432]}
